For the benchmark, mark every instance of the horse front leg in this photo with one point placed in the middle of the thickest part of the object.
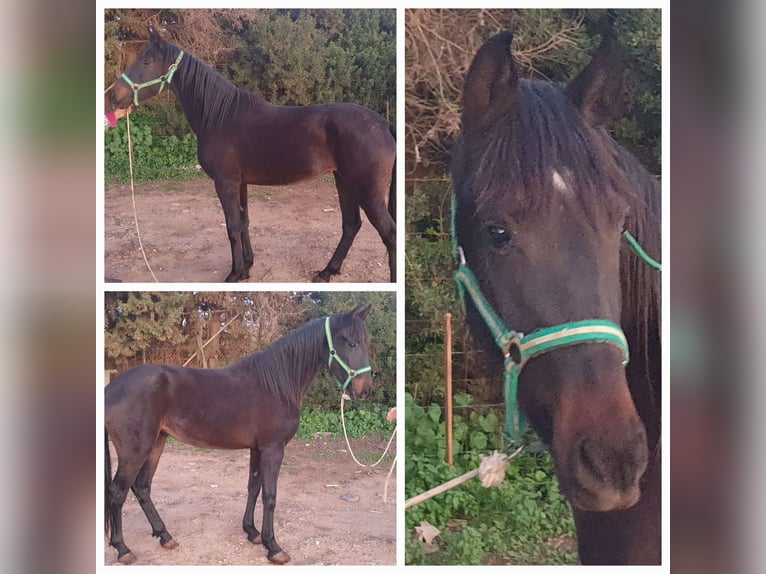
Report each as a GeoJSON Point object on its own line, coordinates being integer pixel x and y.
{"type": "Point", "coordinates": [247, 248]}
{"type": "Point", "coordinates": [228, 194]}
{"type": "Point", "coordinates": [253, 489]}
{"type": "Point", "coordinates": [271, 461]}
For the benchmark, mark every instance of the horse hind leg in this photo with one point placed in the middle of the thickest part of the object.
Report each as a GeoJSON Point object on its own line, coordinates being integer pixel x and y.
{"type": "Point", "coordinates": [142, 488]}
{"type": "Point", "coordinates": [352, 221]}
{"type": "Point", "coordinates": [130, 462]}
{"type": "Point", "coordinates": [380, 218]}
{"type": "Point", "coordinates": [253, 489]}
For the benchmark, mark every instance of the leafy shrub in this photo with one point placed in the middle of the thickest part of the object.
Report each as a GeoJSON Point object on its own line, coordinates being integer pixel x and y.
{"type": "Point", "coordinates": [511, 522]}
{"type": "Point", "coordinates": [166, 157]}
{"type": "Point", "coordinates": [360, 422]}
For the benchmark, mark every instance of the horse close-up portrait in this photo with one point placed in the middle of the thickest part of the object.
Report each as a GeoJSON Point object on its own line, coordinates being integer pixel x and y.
{"type": "Point", "coordinates": [556, 249]}
{"type": "Point", "coordinates": [255, 403]}
{"type": "Point", "coordinates": [246, 139]}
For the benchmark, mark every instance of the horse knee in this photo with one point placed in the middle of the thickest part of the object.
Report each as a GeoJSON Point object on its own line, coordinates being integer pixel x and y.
{"type": "Point", "coordinates": [269, 502]}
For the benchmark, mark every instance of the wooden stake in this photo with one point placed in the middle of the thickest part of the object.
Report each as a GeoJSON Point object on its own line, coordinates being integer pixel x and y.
{"type": "Point", "coordinates": [448, 381]}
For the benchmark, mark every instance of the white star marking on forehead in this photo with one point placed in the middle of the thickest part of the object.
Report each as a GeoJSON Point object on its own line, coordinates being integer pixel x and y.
{"type": "Point", "coordinates": [558, 182]}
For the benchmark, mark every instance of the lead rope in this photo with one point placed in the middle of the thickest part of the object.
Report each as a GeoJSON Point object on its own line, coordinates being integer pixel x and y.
{"type": "Point", "coordinates": [348, 444]}
{"type": "Point", "coordinates": [133, 199]}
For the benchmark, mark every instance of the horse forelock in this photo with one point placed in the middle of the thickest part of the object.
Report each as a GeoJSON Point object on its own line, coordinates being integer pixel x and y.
{"type": "Point", "coordinates": [532, 153]}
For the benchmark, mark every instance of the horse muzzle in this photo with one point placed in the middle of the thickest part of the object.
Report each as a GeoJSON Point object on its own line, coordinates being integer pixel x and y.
{"type": "Point", "coordinates": [603, 472]}
{"type": "Point", "coordinates": [361, 387]}
{"type": "Point", "coordinates": [121, 94]}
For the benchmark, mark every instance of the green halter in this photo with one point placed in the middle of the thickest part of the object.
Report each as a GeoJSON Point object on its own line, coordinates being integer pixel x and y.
{"type": "Point", "coordinates": [162, 80]}
{"type": "Point", "coordinates": [351, 373]}
{"type": "Point", "coordinates": [518, 348]}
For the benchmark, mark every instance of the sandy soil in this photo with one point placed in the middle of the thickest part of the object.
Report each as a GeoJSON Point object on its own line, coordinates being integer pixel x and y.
{"type": "Point", "coordinates": [294, 231]}
{"type": "Point", "coordinates": [201, 495]}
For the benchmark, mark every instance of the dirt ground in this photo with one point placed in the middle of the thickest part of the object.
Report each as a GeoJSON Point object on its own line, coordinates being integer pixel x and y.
{"type": "Point", "coordinates": [294, 231]}
{"type": "Point", "coordinates": [201, 495]}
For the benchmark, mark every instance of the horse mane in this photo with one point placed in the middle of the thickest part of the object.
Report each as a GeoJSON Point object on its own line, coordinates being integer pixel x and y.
{"type": "Point", "coordinates": [641, 289]}
{"type": "Point", "coordinates": [211, 98]}
{"type": "Point", "coordinates": [288, 366]}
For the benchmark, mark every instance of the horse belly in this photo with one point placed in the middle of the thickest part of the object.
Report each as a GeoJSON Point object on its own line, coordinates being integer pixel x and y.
{"type": "Point", "coordinates": [209, 432]}
{"type": "Point", "coordinates": [286, 168]}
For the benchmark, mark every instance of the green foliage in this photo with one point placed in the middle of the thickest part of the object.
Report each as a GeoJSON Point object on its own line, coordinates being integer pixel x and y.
{"type": "Point", "coordinates": [301, 57]}
{"type": "Point", "coordinates": [512, 521]}
{"type": "Point", "coordinates": [361, 421]}
{"type": "Point", "coordinates": [154, 158]}
{"type": "Point", "coordinates": [140, 321]}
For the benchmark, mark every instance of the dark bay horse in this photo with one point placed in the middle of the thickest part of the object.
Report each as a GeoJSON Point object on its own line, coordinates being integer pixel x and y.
{"type": "Point", "coordinates": [543, 195]}
{"type": "Point", "coordinates": [254, 403]}
{"type": "Point", "coordinates": [242, 139]}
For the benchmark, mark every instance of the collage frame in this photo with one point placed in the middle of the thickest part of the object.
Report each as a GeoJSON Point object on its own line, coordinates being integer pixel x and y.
{"type": "Point", "coordinates": [398, 289]}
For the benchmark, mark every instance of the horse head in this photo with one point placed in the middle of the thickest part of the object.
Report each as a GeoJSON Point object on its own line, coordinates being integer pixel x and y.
{"type": "Point", "coordinates": [349, 358]}
{"type": "Point", "coordinates": [152, 70]}
{"type": "Point", "coordinates": [540, 207]}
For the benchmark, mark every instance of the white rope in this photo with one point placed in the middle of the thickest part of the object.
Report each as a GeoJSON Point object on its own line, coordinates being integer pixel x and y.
{"type": "Point", "coordinates": [348, 444]}
{"type": "Point", "coordinates": [133, 198]}
{"type": "Point", "coordinates": [388, 477]}
{"type": "Point", "coordinates": [491, 471]}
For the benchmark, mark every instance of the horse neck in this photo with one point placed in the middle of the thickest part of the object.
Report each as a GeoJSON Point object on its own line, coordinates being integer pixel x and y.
{"type": "Point", "coordinates": [295, 359]}
{"type": "Point", "coordinates": [206, 97]}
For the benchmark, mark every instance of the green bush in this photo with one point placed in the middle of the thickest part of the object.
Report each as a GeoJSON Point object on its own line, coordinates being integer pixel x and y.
{"type": "Point", "coordinates": [166, 157]}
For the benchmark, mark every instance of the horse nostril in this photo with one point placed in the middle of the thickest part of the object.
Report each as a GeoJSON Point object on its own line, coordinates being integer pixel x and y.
{"type": "Point", "coordinates": [588, 459]}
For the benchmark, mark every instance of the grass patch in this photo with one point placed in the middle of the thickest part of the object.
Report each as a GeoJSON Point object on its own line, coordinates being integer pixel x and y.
{"type": "Point", "coordinates": [511, 523]}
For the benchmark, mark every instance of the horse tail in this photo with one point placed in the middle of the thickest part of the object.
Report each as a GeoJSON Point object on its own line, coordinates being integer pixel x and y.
{"type": "Point", "coordinates": [392, 190]}
{"type": "Point", "coordinates": [108, 481]}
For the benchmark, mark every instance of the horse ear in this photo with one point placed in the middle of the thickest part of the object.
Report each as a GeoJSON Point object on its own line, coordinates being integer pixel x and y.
{"type": "Point", "coordinates": [597, 90]}
{"type": "Point", "coordinates": [361, 312]}
{"type": "Point", "coordinates": [154, 36]}
{"type": "Point", "coordinates": [491, 83]}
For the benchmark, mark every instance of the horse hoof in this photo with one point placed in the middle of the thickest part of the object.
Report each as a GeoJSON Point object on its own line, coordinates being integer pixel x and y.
{"type": "Point", "coordinates": [280, 558]}
{"type": "Point", "coordinates": [170, 544]}
{"type": "Point", "coordinates": [319, 278]}
{"type": "Point", "coordinates": [256, 540]}
{"type": "Point", "coordinates": [235, 277]}
{"type": "Point", "coordinates": [127, 559]}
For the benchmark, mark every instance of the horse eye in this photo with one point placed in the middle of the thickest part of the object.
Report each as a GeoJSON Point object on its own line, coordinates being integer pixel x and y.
{"type": "Point", "coordinates": [352, 345]}
{"type": "Point", "coordinates": [498, 236]}
{"type": "Point", "coordinates": [147, 61]}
